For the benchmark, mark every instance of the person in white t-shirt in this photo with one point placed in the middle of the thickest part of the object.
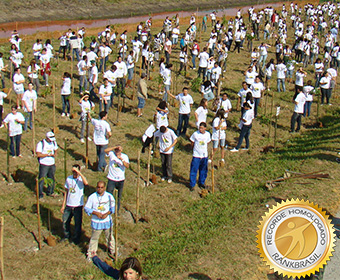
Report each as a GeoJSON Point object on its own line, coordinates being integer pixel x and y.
{"type": "Point", "coordinates": [101, 135]}
{"type": "Point", "coordinates": [167, 141]}
{"type": "Point", "coordinates": [121, 73]}
{"type": "Point", "coordinates": [245, 125]}
{"type": "Point", "coordinates": [13, 122]}
{"type": "Point", "coordinates": [324, 86]}
{"type": "Point", "coordinates": [219, 125]}
{"type": "Point", "coordinates": [33, 71]}
{"type": "Point", "coordinates": [225, 104]}
{"type": "Point", "coordinates": [299, 75]}
{"type": "Point", "coordinates": [201, 112]}
{"type": "Point", "coordinates": [309, 91]}
{"type": "Point", "coordinates": [299, 102]}
{"type": "Point", "coordinates": [203, 63]}
{"type": "Point", "coordinates": [65, 94]}
{"type": "Point", "coordinates": [185, 103]}
{"type": "Point", "coordinates": [281, 76]}
{"type": "Point", "coordinates": [87, 106]}
{"type": "Point", "coordinates": [82, 68]}
{"type": "Point", "coordinates": [45, 65]}
{"type": "Point", "coordinates": [199, 141]}
{"type": "Point", "coordinates": [46, 153]}
{"type": "Point", "coordinates": [119, 162]}
{"type": "Point", "coordinates": [30, 104]}
{"type": "Point", "coordinates": [18, 86]}
{"type": "Point", "coordinates": [105, 92]}
{"type": "Point", "coordinates": [73, 203]}
{"type": "Point", "coordinates": [93, 79]}
{"type": "Point", "coordinates": [37, 47]}
{"type": "Point", "coordinates": [257, 88]}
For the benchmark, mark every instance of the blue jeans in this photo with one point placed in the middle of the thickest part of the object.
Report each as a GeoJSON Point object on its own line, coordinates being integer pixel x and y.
{"type": "Point", "coordinates": [28, 116]}
{"type": "Point", "coordinates": [200, 165]}
{"type": "Point", "coordinates": [104, 267]}
{"type": "Point", "coordinates": [75, 51]}
{"type": "Point", "coordinates": [141, 103]}
{"type": "Point", "coordinates": [17, 140]}
{"type": "Point", "coordinates": [182, 118]}
{"type": "Point", "coordinates": [257, 103]}
{"type": "Point", "coordinates": [202, 70]}
{"type": "Point", "coordinates": [167, 57]}
{"type": "Point", "coordinates": [262, 59]}
{"type": "Point", "coordinates": [103, 61]}
{"type": "Point", "coordinates": [193, 59]}
{"type": "Point", "coordinates": [307, 108]}
{"type": "Point", "coordinates": [130, 73]}
{"type": "Point", "coordinates": [77, 213]}
{"type": "Point", "coordinates": [103, 106]}
{"type": "Point", "coordinates": [82, 83]}
{"type": "Point", "coordinates": [245, 132]}
{"type": "Point", "coordinates": [49, 172]}
{"type": "Point", "coordinates": [101, 157]}
{"type": "Point", "coordinates": [65, 99]}
{"type": "Point", "coordinates": [281, 81]}
{"type": "Point", "coordinates": [93, 96]}
{"type": "Point", "coordinates": [165, 95]}
{"type": "Point", "coordinates": [119, 185]}
{"type": "Point", "coordinates": [266, 34]}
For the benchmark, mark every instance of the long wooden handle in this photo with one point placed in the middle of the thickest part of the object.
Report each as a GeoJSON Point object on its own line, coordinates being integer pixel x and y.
{"type": "Point", "coordinates": [148, 167]}
{"type": "Point", "coordinates": [116, 227]}
{"type": "Point", "coordinates": [38, 213]}
{"type": "Point", "coordinates": [2, 247]}
{"type": "Point", "coordinates": [138, 186]}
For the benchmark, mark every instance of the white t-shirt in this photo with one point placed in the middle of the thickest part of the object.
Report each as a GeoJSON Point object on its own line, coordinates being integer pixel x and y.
{"type": "Point", "coordinates": [184, 103]}
{"type": "Point", "coordinates": [166, 139]}
{"type": "Point", "coordinates": [34, 73]}
{"type": "Point", "coordinates": [332, 72]}
{"type": "Point", "coordinates": [243, 94]}
{"type": "Point", "coordinates": [15, 128]}
{"type": "Point", "coordinates": [18, 88]}
{"type": "Point", "coordinates": [250, 77]}
{"type": "Point", "coordinates": [218, 133]}
{"type": "Point", "coordinates": [225, 105]}
{"type": "Point", "coordinates": [200, 143]}
{"type": "Point", "coordinates": [281, 71]}
{"type": "Point", "coordinates": [326, 80]}
{"type": "Point", "coordinates": [308, 90]}
{"type": "Point", "coordinates": [116, 167]}
{"type": "Point", "coordinates": [269, 70]}
{"type": "Point", "coordinates": [121, 69]}
{"type": "Point", "coordinates": [29, 97]}
{"type": "Point", "coordinates": [37, 49]}
{"type": "Point", "coordinates": [86, 106]}
{"type": "Point", "coordinates": [75, 195]}
{"type": "Point", "coordinates": [263, 50]}
{"type": "Point", "coordinates": [162, 119]}
{"type": "Point", "coordinates": [66, 88]}
{"type": "Point", "coordinates": [300, 99]}
{"type": "Point", "coordinates": [203, 57]}
{"type": "Point", "coordinates": [248, 116]}
{"type": "Point", "coordinates": [2, 96]}
{"type": "Point", "coordinates": [299, 78]}
{"type": "Point", "coordinates": [201, 115]}
{"type": "Point", "coordinates": [91, 56]}
{"type": "Point", "coordinates": [111, 76]}
{"type": "Point", "coordinates": [94, 75]}
{"type": "Point", "coordinates": [48, 148]}
{"type": "Point", "coordinates": [81, 64]}
{"type": "Point", "coordinates": [256, 89]}
{"type": "Point", "coordinates": [167, 76]}
{"type": "Point", "coordinates": [105, 91]}
{"type": "Point", "coordinates": [101, 128]}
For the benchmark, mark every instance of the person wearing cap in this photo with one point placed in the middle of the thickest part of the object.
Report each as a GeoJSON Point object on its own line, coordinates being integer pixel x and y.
{"type": "Point", "coordinates": [117, 165]}
{"type": "Point", "coordinates": [46, 152]}
{"type": "Point", "coordinates": [73, 203]}
{"type": "Point", "coordinates": [101, 135]}
{"type": "Point", "coordinates": [142, 91]}
{"type": "Point", "coordinates": [13, 122]}
{"type": "Point", "coordinates": [93, 79]}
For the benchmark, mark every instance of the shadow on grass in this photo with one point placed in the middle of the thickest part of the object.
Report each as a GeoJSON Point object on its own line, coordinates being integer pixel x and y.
{"type": "Point", "coordinates": [28, 178]}
{"type": "Point", "coordinates": [199, 276]}
{"type": "Point", "coordinates": [3, 145]}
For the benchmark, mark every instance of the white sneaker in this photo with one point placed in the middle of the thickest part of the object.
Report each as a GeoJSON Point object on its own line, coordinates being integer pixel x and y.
{"type": "Point", "coordinates": [209, 160]}
{"type": "Point", "coordinates": [244, 149]}
{"type": "Point", "coordinates": [88, 138]}
{"type": "Point", "coordinates": [222, 159]}
{"type": "Point", "coordinates": [68, 115]}
{"type": "Point", "coordinates": [162, 179]}
{"type": "Point", "coordinates": [82, 140]}
{"type": "Point", "coordinates": [2, 126]}
{"type": "Point", "coordinates": [19, 108]}
{"type": "Point", "coordinates": [169, 181]}
{"type": "Point", "coordinates": [234, 150]}
{"type": "Point", "coordinates": [63, 114]}
{"type": "Point", "coordinates": [90, 255]}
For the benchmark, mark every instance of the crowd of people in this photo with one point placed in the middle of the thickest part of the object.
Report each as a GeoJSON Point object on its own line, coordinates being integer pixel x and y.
{"type": "Point", "coordinates": [311, 31]}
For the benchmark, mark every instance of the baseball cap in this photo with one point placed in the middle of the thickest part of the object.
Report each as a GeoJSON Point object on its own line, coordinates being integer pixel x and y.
{"type": "Point", "coordinates": [50, 135]}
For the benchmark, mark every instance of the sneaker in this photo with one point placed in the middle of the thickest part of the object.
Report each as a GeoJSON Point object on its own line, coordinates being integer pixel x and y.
{"type": "Point", "coordinates": [222, 159]}
{"type": "Point", "coordinates": [82, 140]}
{"type": "Point", "coordinates": [169, 181]}
{"type": "Point", "coordinates": [90, 255]}
{"type": "Point", "coordinates": [19, 108]}
{"type": "Point", "coordinates": [209, 160]}
{"type": "Point", "coordinates": [160, 93]}
{"type": "Point", "coordinates": [244, 149]}
{"type": "Point", "coordinates": [63, 114]}
{"type": "Point", "coordinates": [226, 147]}
{"type": "Point", "coordinates": [330, 104]}
{"type": "Point", "coordinates": [13, 156]}
{"type": "Point", "coordinates": [52, 195]}
{"type": "Point", "coordinates": [1, 126]}
{"type": "Point", "coordinates": [234, 150]}
{"type": "Point", "coordinates": [162, 179]}
{"type": "Point", "coordinates": [68, 115]}
{"type": "Point", "coordinates": [88, 138]}
{"type": "Point", "coordinates": [20, 156]}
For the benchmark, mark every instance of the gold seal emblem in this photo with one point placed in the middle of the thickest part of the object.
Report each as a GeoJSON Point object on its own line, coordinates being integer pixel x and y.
{"type": "Point", "coordinates": [295, 238]}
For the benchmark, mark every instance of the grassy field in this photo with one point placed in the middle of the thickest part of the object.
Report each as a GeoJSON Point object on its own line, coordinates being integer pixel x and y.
{"type": "Point", "coordinates": [182, 236]}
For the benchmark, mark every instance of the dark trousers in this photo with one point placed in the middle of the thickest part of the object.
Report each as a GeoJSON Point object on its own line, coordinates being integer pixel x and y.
{"type": "Point", "coordinates": [28, 117]}
{"type": "Point", "coordinates": [182, 118]}
{"type": "Point", "coordinates": [49, 172]}
{"type": "Point", "coordinates": [17, 140]}
{"type": "Point", "coordinates": [295, 118]}
{"type": "Point", "coordinates": [1, 109]}
{"type": "Point", "coordinates": [202, 70]}
{"type": "Point", "coordinates": [65, 100]}
{"type": "Point", "coordinates": [307, 108]}
{"type": "Point", "coordinates": [166, 165]}
{"type": "Point", "coordinates": [325, 93]}
{"type": "Point", "coordinates": [120, 85]}
{"type": "Point", "coordinates": [256, 104]}
{"type": "Point", "coordinates": [69, 213]}
{"type": "Point", "coordinates": [101, 157]}
{"type": "Point", "coordinates": [237, 46]}
{"type": "Point", "coordinates": [167, 57]}
{"type": "Point", "coordinates": [244, 134]}
{"type": "Point", "coordinates": [200, 165]}
{"type": "Point", "coordinates": [119, 185]}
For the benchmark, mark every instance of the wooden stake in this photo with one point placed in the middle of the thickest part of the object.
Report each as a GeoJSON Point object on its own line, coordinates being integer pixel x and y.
{"type": "Point", "coordinates": [118, 108]}
{"type": "Point", "coordinates": [134, 86]}
{"type": "Point", "coordinates": [265, 103]}
{"type": "Point", "coordinates": [33, 132]}
{"type": "Point", "coordinates": [116, 226]}
{"type": "Point", "coordinates": [275, 129]}
{"type": "Point", "coordinates": [138, 186]}
{"type": "Point", "coordinates": [271, 114]}
{"type": "Point", "coordinates": [2, 247]}
{"type": "Point", "coordinates": [38, 212]}
{"type": "Point", "coordinates": [65, 162]}
{"type": "Point", "coordinates": [148, 166]}
{"type": "Point", "coordinates": [54, 125]}
{"type": "Point", "coordinates": [8, 162]}
{"type": "Point", "coordinates": [140, 67]}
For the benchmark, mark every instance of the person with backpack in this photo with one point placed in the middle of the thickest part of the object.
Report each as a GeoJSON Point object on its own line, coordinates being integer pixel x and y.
{"type": "Point", "coordinates": [46, 153]}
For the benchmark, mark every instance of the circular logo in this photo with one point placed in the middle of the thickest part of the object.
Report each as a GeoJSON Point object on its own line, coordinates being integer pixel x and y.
{"type": "Point", "coordinates": [295, 238]}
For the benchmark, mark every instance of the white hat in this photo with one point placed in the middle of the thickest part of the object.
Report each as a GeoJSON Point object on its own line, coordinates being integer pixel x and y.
{"type": "Point", "coordinates": [50, 136]}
